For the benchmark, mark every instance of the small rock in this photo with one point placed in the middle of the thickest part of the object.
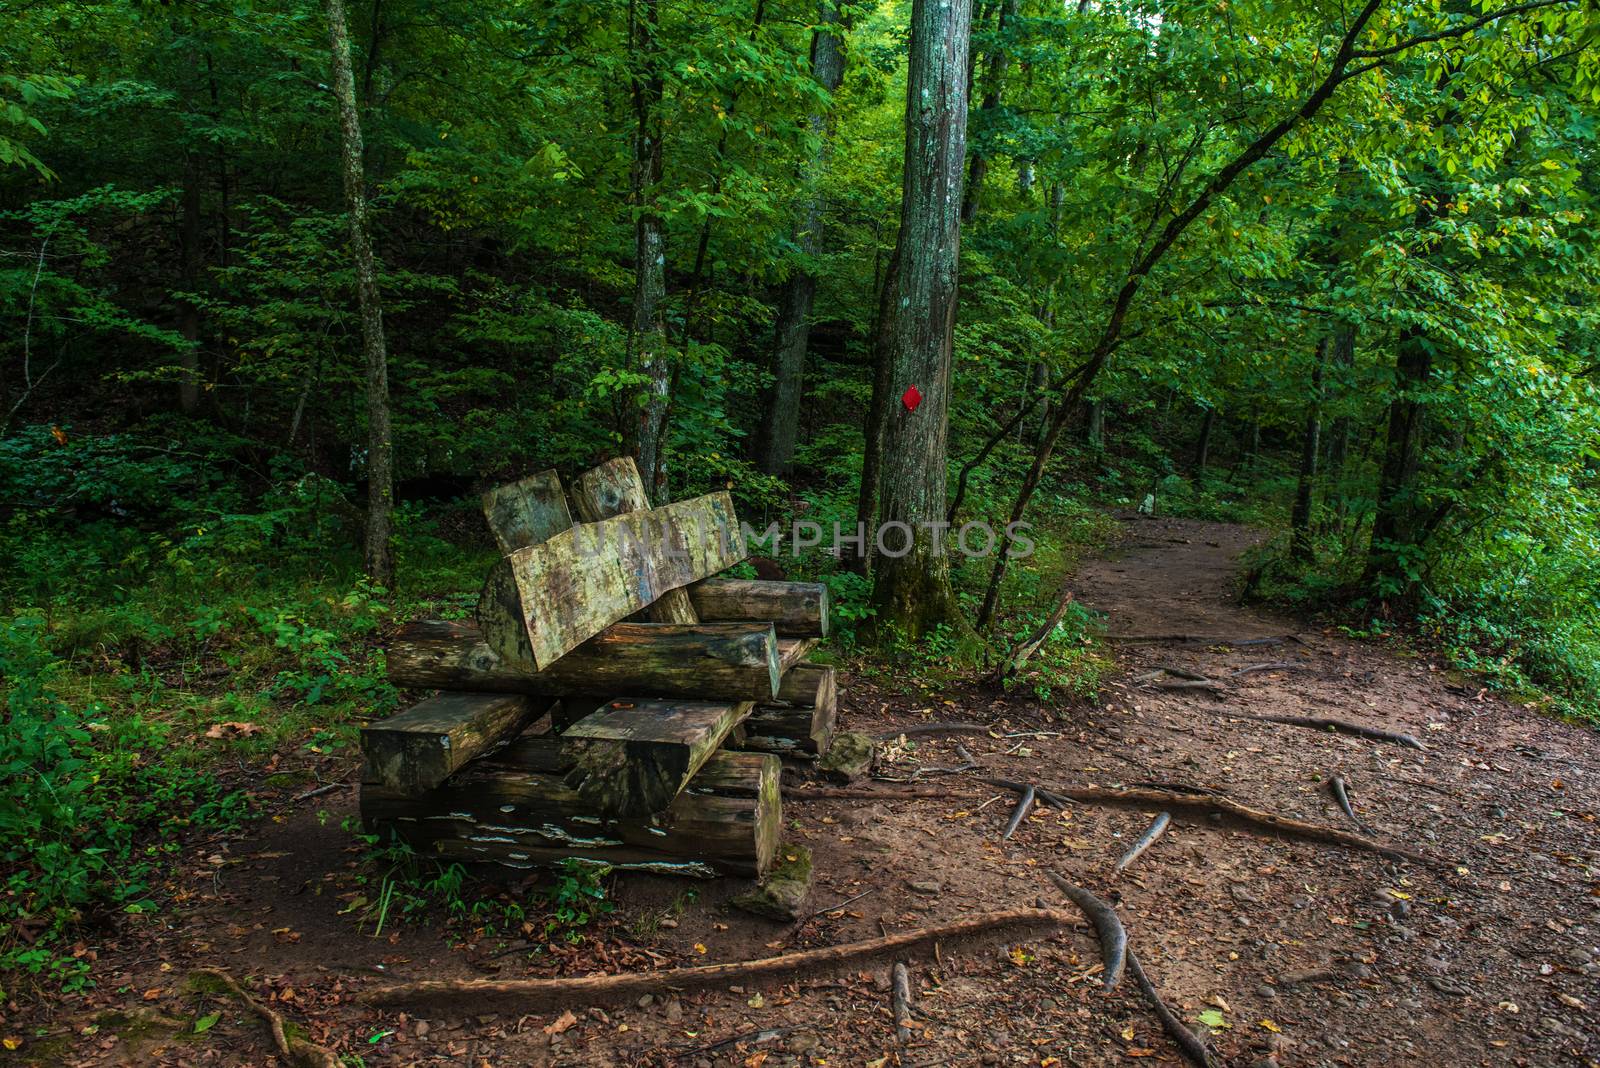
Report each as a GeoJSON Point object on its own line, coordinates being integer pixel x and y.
{"type": "Point", "coordinates": [420, 1028]}
{"type": "Point", "coordinates": [848, 758]}
{"type": "Point", "coordinates": [803, 1042]}
{"type": "Point", "coordinates": [1265, 1062]}
{"type": "Point", "coordinates": [1358, 970]}
{"type": "Point", "coordinates": [674, 1011]}
{"type": "Point", "coordinates": [646, 1001]}
{"type": "Point", "coordinates": [925, 886]}
{"type": "Point", "coordinates": [782, 894]}
{"type": "Point", "coordinates": [1579, 956]}
{"type": "Point", "coordinates": [669, 923]}
{"type": "Point", "coordinates": [1267, 990]}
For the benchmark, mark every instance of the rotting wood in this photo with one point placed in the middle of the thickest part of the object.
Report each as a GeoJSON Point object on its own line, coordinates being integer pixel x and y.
{"type": "Point", "coordinates": [544, 600]}
{"type": "Point", "coordinates": [1337, 787]}
{"type": "Point", "coordinates": [710, 661]}
{"type": "Point", "coordinates": [421, 747]}
{"type": "Point", "coordinates": [633, 757]}
{"type": "Point", "coordinates": [612, 489]}
{"type": "Point", "coordinates": [530, 995]}
{"type": "Point", "coordinates": [1024, 806]}
{"type": "Point", "coordinates": [526, 512]}
{"type": "Point", "coordinates": [1157, 828]}
{"type": "Point", "coordinates": [1338, 726]}
{"type": "Point", "coordinates": [900, 1001]}
{"type": "Point", "coordinates": [1193, 1048]}
{"type": "Point", "coordinates": [1113, 938]}
{"type": "Point", "coordinates": [1223, 805]}
{"type": "Point", "coordinates": [292, 1048]}
{"type": "Point", "coordinates": [797, 609]}
{"type": "Point", "coordinates": [515, 809]}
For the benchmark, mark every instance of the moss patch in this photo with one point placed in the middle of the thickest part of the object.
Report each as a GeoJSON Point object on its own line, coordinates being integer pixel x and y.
{"type": "Point", "coordinates": [782, 894]}
{"type": "Point", "coordinates": [848, 758]}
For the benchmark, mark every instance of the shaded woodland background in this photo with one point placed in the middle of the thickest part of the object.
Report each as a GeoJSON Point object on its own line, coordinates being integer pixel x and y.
{"type": "Point", "coordinates": [1371, 331]}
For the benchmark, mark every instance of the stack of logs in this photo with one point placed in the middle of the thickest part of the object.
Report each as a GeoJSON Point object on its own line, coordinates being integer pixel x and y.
{"type": "Point", "coordinates": [615, 699]}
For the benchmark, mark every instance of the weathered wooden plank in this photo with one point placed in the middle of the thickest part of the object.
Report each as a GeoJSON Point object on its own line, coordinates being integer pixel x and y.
{"type": "Point", "coordinates": [526, 512]}
{"type": "Point", "coordinates": [791, 651]}
{"type": "Point", "coordinates": [515, 809]}
{"type": "Point", "coordinates": [797, 609]}
{"type": "Point", "coordinates": [543, 601]}
{"type": "Point", "coordinates": [801, 720]}
{"type": "Point", "coordinates": [713, 661]}
{"type": "Point", "coordinates": [634, 756]}
{"type": "Point", "coordinates": [419, 748]}
{"type": "Point", "coordinates": [612, 489]}
{"type": "Point", "coordinates": [809, 684]}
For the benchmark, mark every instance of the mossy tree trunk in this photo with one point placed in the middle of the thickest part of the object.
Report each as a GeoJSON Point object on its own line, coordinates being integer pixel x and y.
{"type": "Point", "coordinates": [648, 329]}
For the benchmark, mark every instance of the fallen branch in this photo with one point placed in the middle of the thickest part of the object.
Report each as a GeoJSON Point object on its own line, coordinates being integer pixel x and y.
{"type": "Point", "coordinates": [1168, 669]}
{"type": "Point", "coordinates": [1336, 785]}
{"type": "Point", "coordinates": [1339, 726]}
{"type": "Point", "coordinates": [1218, 803]}
{"type": "Point", "coordinates": [1191, 1045]}
{"type": "Point", "coordinates": [524, 995]}
{"type": "Point", "coordinates": [1022, 809]}
{"type": "Point", "coordinates": [934, 728]}
{"type": "Point", "coordinates": [1113, 938]}
{"type": "Point", "coordinates": [1189, 684]}
{"type": "Point", "coordinates": [292, 1048]}
{"type": "Point", "coordinates": [1031, 644]}
{"type": "Point", "coordinates": [1275, 665]}
{"type": "Point", "coordinates": [1049, 797]}
{"type": "Point", "coordinates": [319, 791]}
{"type": "Point", "coordinates": [1158, 827]}
{"type": "Point", "coordinates": [900, 1000]}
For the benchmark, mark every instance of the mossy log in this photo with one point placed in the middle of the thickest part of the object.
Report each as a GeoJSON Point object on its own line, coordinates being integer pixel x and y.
{"type": "Point", "coordinates": [516, 809]}
{"type": "Point", "coordinates": [714, 661]}
{"type": "Point", "coordinates": [797, 609]}
{"type": "Point", "coordinates": [542, 601]}
{"type": "Point", "coordinates": [421, 747]}
{"type": "Point", "coordinates": [634, 756]}
{"type": "Point", "coordinates": [612, 489]}
{"type": "Point", "coordinates": [526, 512]}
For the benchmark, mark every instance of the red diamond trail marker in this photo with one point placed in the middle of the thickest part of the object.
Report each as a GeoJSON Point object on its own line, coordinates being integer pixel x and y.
{"type": "Point", "coordinates": [911, 398]}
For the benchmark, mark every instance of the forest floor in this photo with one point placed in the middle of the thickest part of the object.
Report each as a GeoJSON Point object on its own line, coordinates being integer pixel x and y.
{"type": "Point", "coordinates": [1299, 953]}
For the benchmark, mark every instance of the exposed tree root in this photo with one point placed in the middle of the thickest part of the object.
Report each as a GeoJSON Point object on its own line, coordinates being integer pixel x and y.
{"type": "Point", "coordinates": [1339, 726]}
{"type": "Point", "coordinates": [528, 995]}
{"type": "Point", "coordinates": [1168, 669]}
{"type": "Point", "coordinates": [1113, 938]}
{"type": "Point", "coordinates": [1047, 796]}
{"type": "Point", "coordinates": [292, 1048]}
{"type": "Point", "coordinates": [933, 728]}
{"type": "Point", "coordinates": [856, 793]}
{"type": "Point", "coordinates": [900, 1000]}
{"type": "Point", "coordinates": [1184, 639]}
{"type": "Point", "coordinates": [1222, 805]}
{"type": "Point", "coordinates": [1023, 808]}
{"type": "Point", "coordinates": [1275, 665]}
{"type": "Point", "coordinates": [1194, 1050]}
{"type": "Point", "coordinates": [1189, 684]}
{"type": "Point", "coordinates": [1158, 827]}
{"type": "Point", "coordinates": [1341, 795]}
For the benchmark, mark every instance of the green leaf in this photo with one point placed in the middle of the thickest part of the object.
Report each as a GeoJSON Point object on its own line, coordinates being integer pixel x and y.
{"type": "Point", "coordinates": [206, 1022]}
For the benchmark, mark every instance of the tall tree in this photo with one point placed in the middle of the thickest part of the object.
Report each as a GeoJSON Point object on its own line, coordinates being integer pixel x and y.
{"type": "Point", "coordinates": [911, 589]}
{"type": "Point", "coordinates": [793, 326]}
{"type": "Point", "coordinates": [648, 329]}
{"type": "Point", "coordinates": [380, 459]}
{"type": "Point", "coordinates": [1310, 446]}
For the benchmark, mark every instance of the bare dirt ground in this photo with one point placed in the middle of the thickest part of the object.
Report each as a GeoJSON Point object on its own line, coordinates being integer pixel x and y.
{"type": "Point", "coordinates": [1303, 953]}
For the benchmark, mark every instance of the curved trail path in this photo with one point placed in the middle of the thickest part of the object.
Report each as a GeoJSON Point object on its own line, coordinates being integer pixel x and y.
{"type": "Point", "coordinates": [1298, 953]}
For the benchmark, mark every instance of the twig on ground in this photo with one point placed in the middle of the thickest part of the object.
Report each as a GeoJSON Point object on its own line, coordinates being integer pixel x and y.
{"type": "Point", "coordinates": [900, 984]}
{"type": "Point", "coordinates": [1158, 827]}
{"type": "Point", "coordinates": [842, 904]}
{"type": "Point", "coordinates": [1341, 795]}
{"type": "Point", "coordinates": [1338, 726]}
{"type": "Point", "coordinates": [292, 1048]}
{"type": "Point", "coordinates": [933, 728]}
{"type": "Point", "coordinates": [1193, 1048]}
{"type": "Point", "coordinates": [478, 995]}
{"type": "Point", "coordinates": [1113, 938]}
{"type": "Point", "coordinates": [319, 791]}
{"type": "Point", "coordinates": [1023, 808]}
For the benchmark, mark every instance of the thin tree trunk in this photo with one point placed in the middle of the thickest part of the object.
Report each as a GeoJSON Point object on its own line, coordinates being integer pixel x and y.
{"type": "Point", "coordinates": [1344, 357]}
{"type": "Point", "coordinates": [380, 471]}
{"type": "Point", "coordinates": [978, 169]}
{"type": "Point", "coordinates": [189, 310]}
{"type": "Point", "coordinates": [1310, 446]}
{"type": "Point", "coordinates": [649, 326]}
{"type": "Point", "coordinates": [1391, 526]}
{"type": "Point", "coordinates": [793, 328]}
{"type": "Point", "coordinates": [1202, 447]}
{"type": "Point", "coordinates": [1094, 432]}
{"type": "Point", "coordinates": [877, 413]}
{"type": "Point", "coordinates": [911, 589]}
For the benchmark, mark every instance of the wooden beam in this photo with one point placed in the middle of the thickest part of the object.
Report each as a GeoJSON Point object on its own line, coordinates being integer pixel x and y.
{"type": "Point", "coordinates": [713, 661]}
{"type": "Point", "coordinates": [797, 609]}
{"type": "Point", "coordinates": [415, 751]}
{"type": "Point", "coordinates": [612, 489]}
{"type": "Point", "coordinates": [801, 720]}
{"type": "Point", "coordinates": [543, 601]}
{"type": "Point", "coordinates": [791, 651]}
{"type": "Point", "coordinates": [808, 684]}
{"type": "Point", "coordinates": [526, 512]}
{"type": "Point", "coordinates": [634, 756]}
{"type": "Point", "coordinates": [515, 809]}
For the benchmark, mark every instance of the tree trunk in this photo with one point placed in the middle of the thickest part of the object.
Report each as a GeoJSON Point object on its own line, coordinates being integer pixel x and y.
{"type": "Point", "coordinates": [1310, 446]}
{"type": "Point", "coordinates": [1202, 447]}
{"type": "Point", "coordinates": [380, 471]}
{"type": "Point", "coordinates": [978, 169]}
{"type": "Point", "coordinates": [1391, 526]}
{"type": "Point", "coordinates": [877, 414]}
{"type": "Point", "coordinates": [793, 327]}
{"type": "Point", "coordinates": [912, 587]}
{"type": "Point", "coordinates": [189, 311]}
{"type": "Point", "coordinates": [1094, 431]}
{"type": "Point", "coordinates": [1344, 358]}
{"type": "Point", "coordinates": [649, 327]}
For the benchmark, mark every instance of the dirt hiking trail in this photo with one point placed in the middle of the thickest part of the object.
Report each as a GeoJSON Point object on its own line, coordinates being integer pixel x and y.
{"type": "Point", "coordinates": [1282, 952]}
